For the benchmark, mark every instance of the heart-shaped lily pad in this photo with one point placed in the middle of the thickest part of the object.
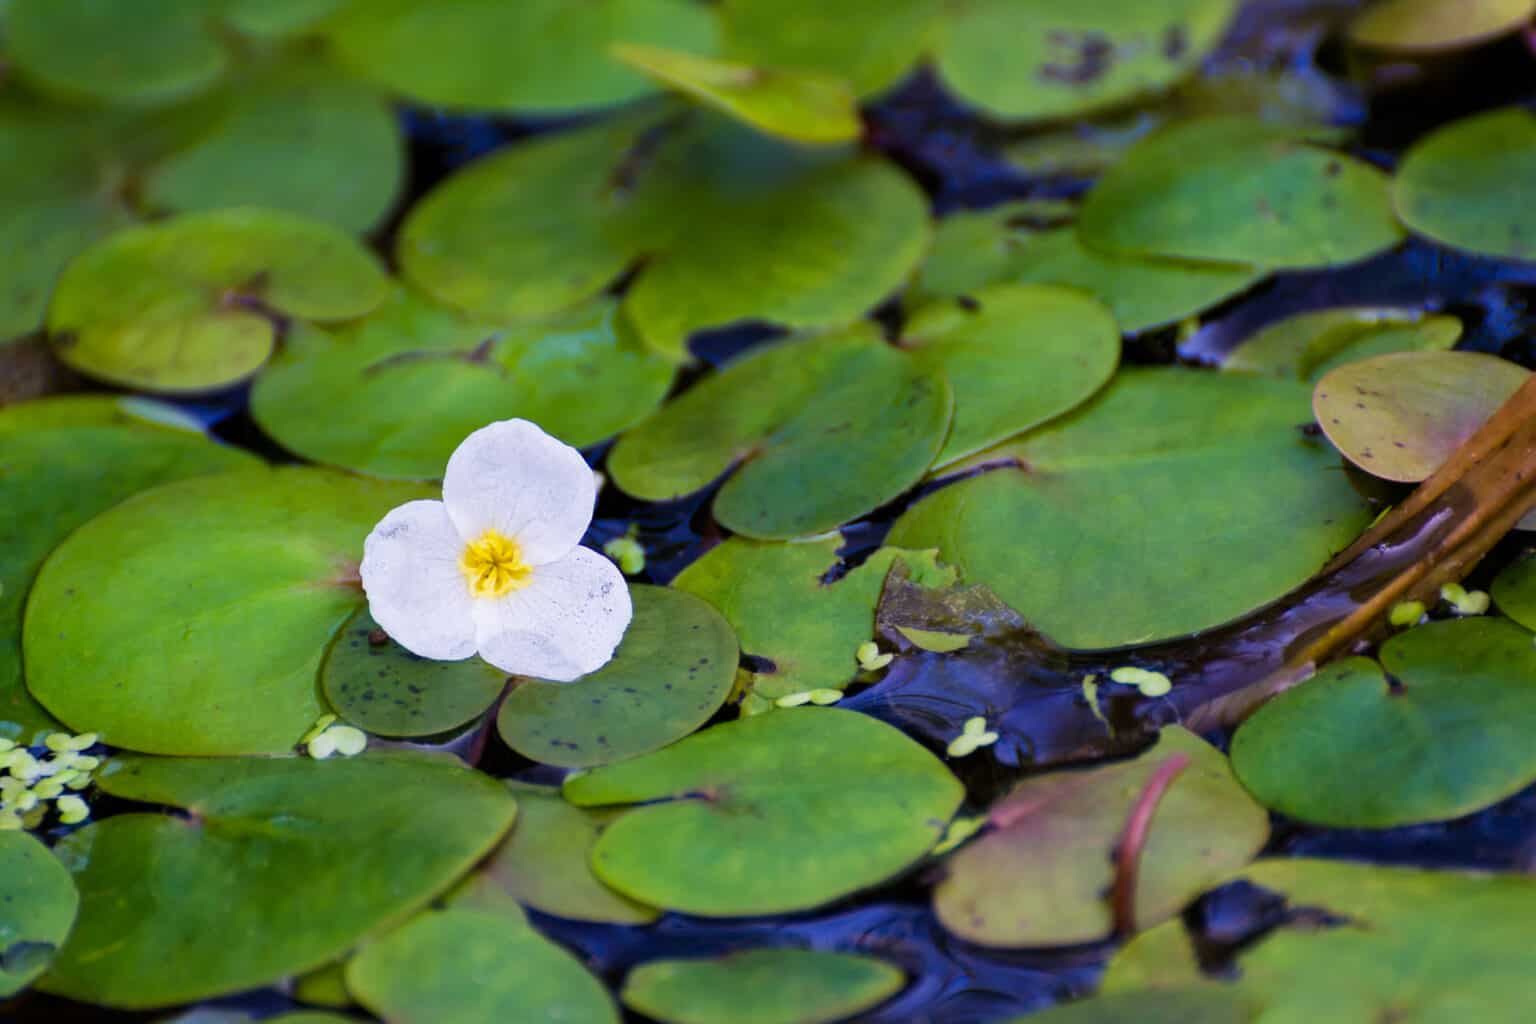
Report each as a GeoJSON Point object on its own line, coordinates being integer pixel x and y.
{"type": "Point", "coordinates": [189, 303]}
{"type": "Point", "coordinates": [279, 865]}
{"type": "Point", "coordinates": [37, 908]}
{"type": "Point", "coordinates": [1040, 877]}
{"type": "Point", "coordinates": [472, 965]}
{"type": "Point", "coordinates": [393, 394]}
{"type": "Point", "coordinates": [1308, 345]}
{"type": "Point", "coordinates": [1514, 589]}
{"type": "Point", "coordinates": [1231, 189]}
{"type": "Point", "coordinates": [802, 106]}
{"type": "Point", "coordinates": [253, 573]}
{"type": "Point", "coordinates": [1174, 501]}
{"type": "Point", "coordinates": [760, 986]}
{"type": "Point", "coordinates": [1467, 185]}
{"type": "Point", "coordinates": [62, 461]}
{"type": "Point", "coordinates": [746, 818]}
{"type": "Point", "coordinates": [1430, 26]}
{"type": "Point", "coordinates": [672, 671]}
{"type": "Point", "coordinates": [819, 431]}
{"type": "Point", "coordinates": [870, 43]}
{"type": "Point", "coordinates": [533, 56]}
{"type": "Point", "coordinates": [1400, 416]}
{"type": "Point", "coordinates": [1016, 356]}
{"type": "Point", "coordinates": [1440, 729]}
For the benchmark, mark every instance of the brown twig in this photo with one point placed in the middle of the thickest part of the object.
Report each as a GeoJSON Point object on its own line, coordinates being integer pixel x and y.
{"type": "Point", "coordinates": [1134, 839]}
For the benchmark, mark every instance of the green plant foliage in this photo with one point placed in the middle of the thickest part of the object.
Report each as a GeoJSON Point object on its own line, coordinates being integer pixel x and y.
{"type": "Point", "coordinates": [253, 573]}
{"type": "Point", "coordinates": [1016, 356]}
{"type": "Point", "coordinates": [1449, 737]}
{"type": "Point", "coordinates": [760, 986]}
{"type": "Point", "coordinates": [1307, 345]}
{"type": "Point", "coordinates": [1435, 945]}
{"type": "Point", "coordinates": [1171, 1006]}
{"type": "Point", "coordinates": [783, 613]}
{"type": "Point", "coordinates": [744, 821]}
{"type": "Point", "coordinates": [288, 861]}
{"type": "Point", "coordinates": [814, 431]}
{"type": "Point", "coordinates": [1466, 185]}
{"type": "Point", "coordinates": [1040, 876]}
{"type": "Point", "coordinates": [1190, 476]}
{"type": "Point", "coordinates": [1430, 26]}
{"type": "Point", "coordinates": [1514, 590]}
{"type": "Point", "coordinates": [1231, 189]}
{"type": "Point", "coordinates": [801, 106]}
{"type": "Point", "coordinates": [188, 304]}
{"type": "Point", "coordinates": [1400, 416]}
{"type": "Point", "coordinates": [470, 965]}
{"type": "Point", "coordinates": [393, 394]}
{"type": "Point", "coordinates": [377, 685]}
{"type": "Point", "coordinates": [533, 56]}
{"type": "Point", "coordinates": [672, 671]}
{"type": "Point", "coordinates": [62, 461]}
{"type": "Point", "coordinates": [37, 908]}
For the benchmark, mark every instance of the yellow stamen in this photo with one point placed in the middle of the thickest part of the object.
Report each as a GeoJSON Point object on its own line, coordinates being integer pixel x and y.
{"type": "Point", "coordinates": [494, 566]}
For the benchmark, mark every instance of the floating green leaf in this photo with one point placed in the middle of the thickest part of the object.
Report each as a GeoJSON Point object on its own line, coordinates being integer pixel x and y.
{"type": "Point", "coordinates": [1308, 345]}
{"type": "Point", "coordinates": [1039, 878]}
{"type": "Point", "coordinates": [252, 573]}
{"type": "Point", "coordinates": [1173, 1006]}
{"type": "Point", "coordinates": [1467, 185]}
{"type": "Point", "coordinates": [288, 861]}
{"type": "Point", "coordinates": [1231, 189]}
{"type": "Point", "coordinates": [1514, 590]}
{"type": "Point", "coordinates": [745, 821]}
{"type": "Point", "coordinates": [1189, 476]}
{"type": "Point", "coordinates": [1016, 356]}
{"type": "Point", "coordinates": [1429, 26]}
{"type": "Point", "coordinates": [760, 986]}
{"type": "Point", "coordinates": [815, 431]}
{"type": "Point", "coordinates": [1448, 736]}
{"type": "Point", "coordinates": [470, 965]}
{"type": "Point", "coordinates": [672, 671]}
{"type": "Point", "coordinates": [188, 304]}
{"type": "Point", "coordinates": [37, 908]}
{"type": "Point", "coordinates": [1400, 416]}
{"type": "Point", "coordinates": [393, 394]}
{"type": "Point", "coordinates": [533, 56]}
{"type": "Point", "coordinates": [870, 43]}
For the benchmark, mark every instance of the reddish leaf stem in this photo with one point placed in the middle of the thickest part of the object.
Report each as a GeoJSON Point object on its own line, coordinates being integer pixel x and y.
{"type": "Point", "coordinates": [1128, 851]}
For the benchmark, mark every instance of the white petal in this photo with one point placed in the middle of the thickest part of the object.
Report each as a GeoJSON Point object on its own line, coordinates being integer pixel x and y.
{"type": "Point", "coordinates": [565, 623]}
{"type": "Point", "coordinates": [416, 590]}
{"type": "Point", "coordinates": [514, 478]}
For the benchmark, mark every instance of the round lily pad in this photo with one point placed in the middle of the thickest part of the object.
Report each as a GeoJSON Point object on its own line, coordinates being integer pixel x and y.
{"type": "Point", "coordinates": [1016, 356]}
{"type": "Point", "coordinates": [62, 461]}
{"type": "Point", "coordinates": [1429, 26]}
{"type": "Point", "coordinates": [278, 866]}
{"type": "Point", "coordinates": [253, 573]}
{"type": "Point", "coordinates": [1466, 185]}
{"type": "Point", "coordinates": [1514, 590]}
{"type": "Point", "coordinates": [815, 431]}
{"type": "Point", "coordinates": [189, 303]}
{"type": "Point", "coordinates": [1166, 478]}
{"type": "Point", "coordinates": [1400, 416]}
{"type": "Point", "coordinates": [761, 986]}
{"type": "Point", "coordinates": [1034, 59]}
{"type": "Point", "coordinates": [1039, 877]}
{"type": "Point", "coordinates": [393, 394]}
{"type": "Point", "coordinates": [377, 685]}
{"type": "Point", "coordinates": [741, 818]}
{"type": "Point", "coordinates": [1448, 735]}
{"type": "Point", "coordinates": [470, 965]}
{"type": "Point", "coordinates": [672, 671]}
{"type": "Point", "coordinates": [533, 56]}
{"type": "Point", "coordinates": [870, 43]}
{"type": "Point", "coordinates": [1306, 346]}
{"type": "Point", "coordinates": [1232, 189]}
{"type": "Point", "coordinates": [37, 908]}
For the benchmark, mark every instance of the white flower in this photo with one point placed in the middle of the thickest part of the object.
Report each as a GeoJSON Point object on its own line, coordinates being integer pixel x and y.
{"type": "Point", "coordinates": [496, 567]}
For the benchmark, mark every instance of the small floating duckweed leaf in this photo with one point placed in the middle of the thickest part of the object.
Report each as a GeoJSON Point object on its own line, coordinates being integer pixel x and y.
{"type": "Point", "coordinates": [289, 861]}
{"type": "Point", "coordinates": [672, 671]}
{"type": "Point", "coordinates": [761, 986]}
{"type": "Point", "coordinates": [1306, 346]}
{"type": "Point", "coordinates": [188, 304]}
{"type": "Point", "coordinates": [1514, 590]}
{"type": "Point", "coordinates": [37, 908]}
{"type": "Point", "coordinates": [741, 819]}
{"type": "Point", "coordinates": [253, 573]}
{"type": "Point", "coordinates": [1040, 876]}
{"type": "Point", "coordinates": [475, 965]}
{"type": "Point", "coordinates": [1400, 416]}
{"type": "Point", "coordinates": [870, 43]}
{"type": "Point", "coordinates": [1427, 27]}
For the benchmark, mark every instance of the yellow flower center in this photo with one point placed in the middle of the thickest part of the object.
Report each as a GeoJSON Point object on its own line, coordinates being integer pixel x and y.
{"type": "Point", "coordinates": [494, 565]}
